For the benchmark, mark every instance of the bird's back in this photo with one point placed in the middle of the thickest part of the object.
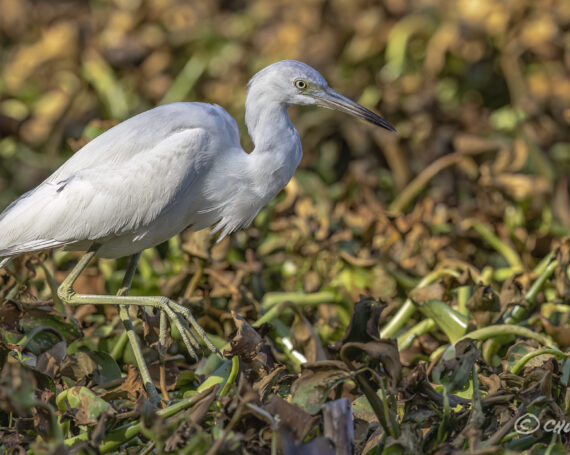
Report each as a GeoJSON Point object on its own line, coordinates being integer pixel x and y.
{"type": "Point", "coordinates": [121, 181]}
{"type": "Point", "coordinates": [146, 131]}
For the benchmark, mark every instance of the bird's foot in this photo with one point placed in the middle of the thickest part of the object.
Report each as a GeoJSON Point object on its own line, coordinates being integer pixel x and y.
{"type": "Point", "coordinates": [189, 329]}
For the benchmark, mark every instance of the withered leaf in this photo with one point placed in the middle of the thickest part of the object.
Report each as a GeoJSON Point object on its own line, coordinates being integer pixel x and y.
{"type": "Point", "coordinates": [85, 406]}
{"type": "Point", "coordinates": [78, 366]}
{"type": "Point", "coordinates": [383, 351]}
{"type": "Point", "coordinates": [151, 327]}
{"type": "Point", "coordinates": [416, 385]}
{"type": "Point", "coordinates": [312, 387]}
{"type": "Point", "coordinates": [484, 298]}
{"type": "Point", "coordinates": [264, 385]}
{"type": "Point", "coordinates": [363, 324]}
{"type": "Point", "coordinates": [50, 361]}
{"type": "Point", "coordinates": [247, 343]}
{"type": "Point", "coordinates": [454, 372]}
{"type": "Point", "coordinates": [560, 334]}
{"type": "Point", "coordinates": [433, 291]}
{"type": "Point", "coordinates": [171, 374]}
{"type": "Point", "coordinates": [484, 305]}
{"type": "Point", "coordinates": [512, 293]}
{"type": "Point", "coordinates": [562, 271]}
{"type": "Point", "coordinates": [17, 388]}
{"type": "Point", "coordinates": [293, 417]}
{"type": "Point", "coordinates": [132, 387]}
{"type": "Point", "coordinates": [42, 421]}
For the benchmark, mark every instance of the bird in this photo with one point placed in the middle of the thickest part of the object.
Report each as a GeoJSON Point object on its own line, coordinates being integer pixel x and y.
{"type": "Point", "coordinates": [173, 167]}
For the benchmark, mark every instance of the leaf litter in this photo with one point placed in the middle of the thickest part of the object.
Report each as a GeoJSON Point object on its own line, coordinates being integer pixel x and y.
{"type": "Point", "coordinates": [449, 239]}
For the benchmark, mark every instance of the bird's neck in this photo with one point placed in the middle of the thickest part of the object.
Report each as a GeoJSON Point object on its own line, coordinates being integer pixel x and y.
{"type": "Point", "coordinates": [275, 138]}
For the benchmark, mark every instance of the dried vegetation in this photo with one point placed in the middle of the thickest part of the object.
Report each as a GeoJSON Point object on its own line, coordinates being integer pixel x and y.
{"type": "Point", "coordinates": [422, 277]}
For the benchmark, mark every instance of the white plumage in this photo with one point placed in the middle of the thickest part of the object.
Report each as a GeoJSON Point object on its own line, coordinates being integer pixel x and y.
{"type": "Point", "coordinates": [178, 165]}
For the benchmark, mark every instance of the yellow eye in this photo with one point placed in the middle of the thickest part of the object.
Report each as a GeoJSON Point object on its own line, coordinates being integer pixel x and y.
{"type": "Point", "coordinates": [300, 84]}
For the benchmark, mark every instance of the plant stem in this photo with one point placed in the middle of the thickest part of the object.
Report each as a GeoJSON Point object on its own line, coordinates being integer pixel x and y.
{"type": "Point", "coordinates": [119, 346]}
{"type": "Point", "coordinates": [517, 367]}
{"type": "Point", "coordinates": [232, 377]}
{"type": "Point", "coordinates": [518, 313]}
{"type": "Point", "coordinates": [506, 251]}
{"type": "Point", "coordinates": [407, 309]}
{"type": "Point", "coordinates": [539, 282]}
{"type": "Point", "coordinates": [406, 340]}
{"type": "Point", "coordinates": [508, 329]}
{"type": "Point", "coordinates": [299, 298]}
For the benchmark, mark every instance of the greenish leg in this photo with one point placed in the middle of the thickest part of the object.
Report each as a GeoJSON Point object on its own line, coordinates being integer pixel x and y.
{"type": "Point", "coordinates": [131, 334]}
{"type": "Point", "coordinates": [162, 353]}
{"type": "Point", "coordinates": [179, 315]}
{"type": "Point", "coordinates": [66, 294]}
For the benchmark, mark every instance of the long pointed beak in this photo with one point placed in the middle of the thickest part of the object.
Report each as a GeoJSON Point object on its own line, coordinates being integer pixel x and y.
{"type": "Point", "coordinates": [333, 100]}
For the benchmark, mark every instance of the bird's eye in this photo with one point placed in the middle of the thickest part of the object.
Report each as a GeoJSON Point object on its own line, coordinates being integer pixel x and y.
{"type": "Point", "coordinates": [300, 84]}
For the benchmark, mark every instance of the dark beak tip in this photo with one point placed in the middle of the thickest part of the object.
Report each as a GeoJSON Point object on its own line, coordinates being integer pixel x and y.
{"type": "Point", "coordinates": [384, 124]}
{"type": "Point", "coordinates": [392, 129]}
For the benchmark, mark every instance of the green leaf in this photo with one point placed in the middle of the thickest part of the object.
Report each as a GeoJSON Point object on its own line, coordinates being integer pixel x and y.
{"type": "Point", "coordinates": [86, 405]}
{"type": "Point", "coordinates": [220, 376]}
{"type": "Point", "coordinates": [311, 389]}
{"type": "Point", "coordinates": [107, 367]}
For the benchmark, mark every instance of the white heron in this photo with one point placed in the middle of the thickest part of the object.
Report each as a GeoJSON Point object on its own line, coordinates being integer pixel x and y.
{"type": "Point", "coordinates": [152, 176]}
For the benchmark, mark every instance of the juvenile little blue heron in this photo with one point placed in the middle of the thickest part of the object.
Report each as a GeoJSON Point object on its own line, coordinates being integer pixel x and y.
{"type": "Point", "coordinates": [175, 166]}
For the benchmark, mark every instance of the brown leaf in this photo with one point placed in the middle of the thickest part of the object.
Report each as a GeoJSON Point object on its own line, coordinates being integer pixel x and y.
{"type": "Point", "coordinates": [17, 388]}
{"type": "Point", "coordinates": [292, 417]}
{"type": "Point", "coordinates": [198, 244]}
{"type": "Point", "coordinates": [50, 362]}
{"type": "Point", "coordinates": [561, 273]}
{"type": "Point", "coordinates": [454, 372]}
{"type": "Point", "coordinates": [434, 291]}
{"type": "Point", "coordinates": [383, 351]}
{"type": "Point", "coordinates": [491, 383]}
{"type": "Point", "coordinates": [171, 374]}
{"type": "Point", "coordinates": [42, 421]}
{"type": "Point", "coordinates": [151, 328]}
{"type": "Point", "coordinates": [264, 386]}
{"type": "Point", "coordinates": [363, 324]}
{"type": "Point", "coordinates": [78, 366]}
{"type": "Point", "coordinates": [522, 186]}
{"type": "Point", "coordinates": [311, 389]}
{"type": "Point", "coordinates": [512, 293]}
{"type": "Point", "coordinates": [132, 387]}
{"type": "Point", "coordinates": [560, 334]}
{"type": "Point", "coordinates": [484, 305]}
{"type": "Point", "coordinates": [247, 343]}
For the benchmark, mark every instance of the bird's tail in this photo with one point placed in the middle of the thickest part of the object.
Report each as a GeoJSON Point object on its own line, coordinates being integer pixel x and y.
{"type": "Point", "coordinates": [21, 229]}
{"type": "Point", "coordinates": [6, 254]}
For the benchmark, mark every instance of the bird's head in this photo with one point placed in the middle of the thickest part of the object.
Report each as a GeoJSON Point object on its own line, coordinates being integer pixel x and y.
{"type": "Point", "coordinates": [293, 82]}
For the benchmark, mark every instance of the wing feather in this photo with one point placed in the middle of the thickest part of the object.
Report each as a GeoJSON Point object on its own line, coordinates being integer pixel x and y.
{"type": "Point", "coordinates": [122, 181]}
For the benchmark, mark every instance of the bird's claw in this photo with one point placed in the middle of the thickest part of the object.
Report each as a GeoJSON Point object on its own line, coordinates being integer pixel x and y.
{"type": "Point", "coordinates": [189, 329]}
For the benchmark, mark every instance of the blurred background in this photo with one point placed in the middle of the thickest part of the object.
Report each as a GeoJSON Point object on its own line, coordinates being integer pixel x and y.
{"type": "Point", "coordinates": [479, 91]}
